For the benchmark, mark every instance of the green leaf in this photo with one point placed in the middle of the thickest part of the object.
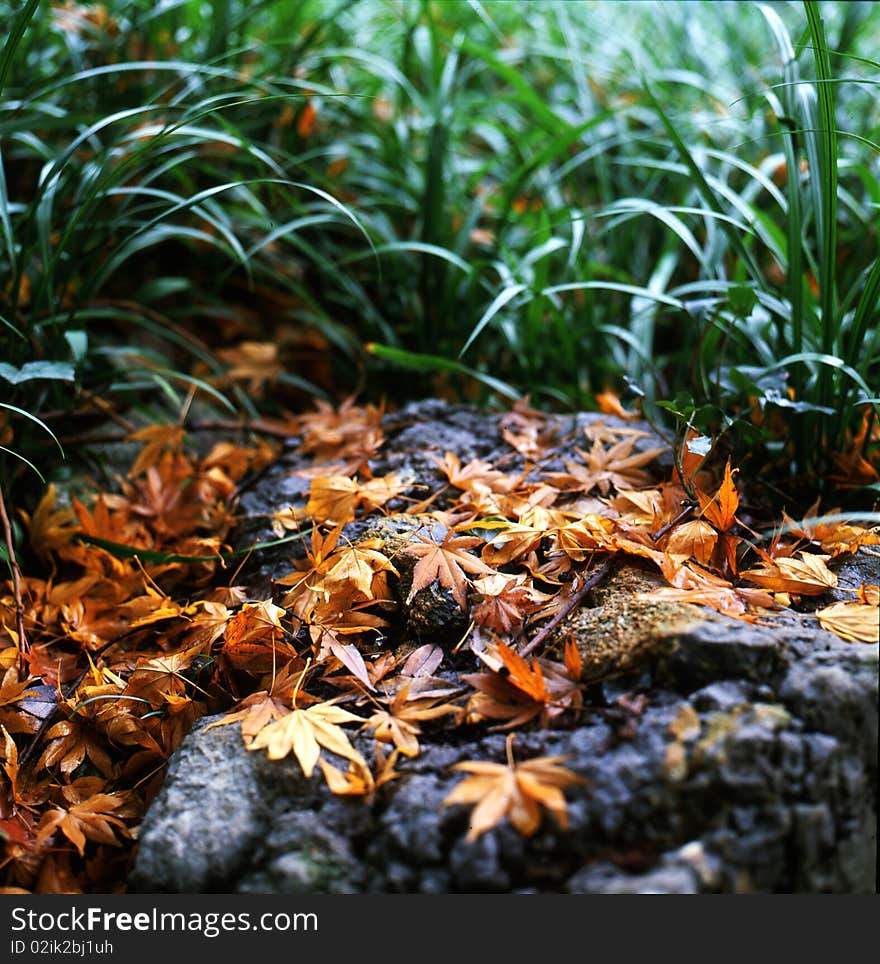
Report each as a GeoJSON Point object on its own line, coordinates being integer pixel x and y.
{"type": "Point", "coordinates": [62, 371]}
{"type": "Point", "coordinates": [435, 363]}
{"type": "Point", "coordinates": [742, 300]}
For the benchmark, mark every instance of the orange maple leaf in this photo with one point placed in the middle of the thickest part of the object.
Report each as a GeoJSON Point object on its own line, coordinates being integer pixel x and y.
{"type": "Point", "coordinates": [399, 723]}
{"type": "Point", "coordinates": [256, 362]}
{"type": "Point", "coordinates": [721, 509]}
{"type": "Point", "coordinates": [603, 468]}
{"type": "Point", "coordinates": [447, 563]}
{"type": "Point", "coordinates": [305, 732]}
{"type": "Point", "coordinates": [695, 538]}
{"type": "Point", "coordinates": [49, 528]}
{"type": "Point", "coordinates": [807, 576]}
{"type": "Point", "coordinates": [93, 818]}
{"type": "Point", "coordinates": [159, 439]}
{"type": "Point", "coordinates": [518, 791]}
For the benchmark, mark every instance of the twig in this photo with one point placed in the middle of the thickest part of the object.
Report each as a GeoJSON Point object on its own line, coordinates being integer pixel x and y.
{"type": "Point", "coordinates": [573, 601]}
{"type": "Point", "coordinates": [107, 410]}
{"type": "Point", "coordinates": [203, 425]}
{"type": "Point", "coordinates": [685, 512]}
{"type": "Point", "coordinates": [23, 646]}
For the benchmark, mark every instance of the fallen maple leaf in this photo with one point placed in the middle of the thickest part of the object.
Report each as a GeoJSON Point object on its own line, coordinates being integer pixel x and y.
{"type": "Point", "coordinates": [359, 780]}
{"type": "Point", "coordinates": [609, 404]}
{"type": "Point", "coordinates": [352, 577]}
{"type": "Point", "coordinates": [256, 362]}
{"type": "Point", "coordinates": [830, 532]}
{"type": "Point", "coordinates": [721, 509]}
{"type": "Point", "coordinates": [340, 433]}
{"type": "Point", "coordinates": [506, 601]}
{"type": "Point", "coordinates": [49, 528]}
{"type": "Point", "coordinates": [516, 790]}
{"type": "Point", "coordinates": [158, 439]}
{"type": "Point", "coordinates": [807, 576]}
{"type": "Point", "coordinates": [399, 724]}
{"type": "Point", "coordinates": [603, 468]}
{"type": "Point", "coordinates": [93, 819]}
{"type": "Point", "coordinates": [695, 538]}
{"type": "Point", "coordinates": [259, 709]}
{"type": "Point", "coordinates": [446, 562]}
{"type": "Point", "coordinates": [304, 732]}
{"type": "Point", "coordinates": [692, 584]}
{"type": "Point", "coordinates": [70, 742]}
{"type": "Point", "coordinates": [476, 472]}
{"type": "Point", "coordinates": [332, 499]}
{"type": "Point", "coordinates": [853, 621]}
{"type": "Point", "coordinates": [253, 639]}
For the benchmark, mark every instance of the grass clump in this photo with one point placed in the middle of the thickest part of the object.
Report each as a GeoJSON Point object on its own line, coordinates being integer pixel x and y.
{"type": "Point", "coordinates": [317, 196]}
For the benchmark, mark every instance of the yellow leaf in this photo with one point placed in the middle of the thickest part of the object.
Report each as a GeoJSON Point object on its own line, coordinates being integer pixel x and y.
{"type": "Point", "coordinates": [516, 790]}
{"type": "Point", "coordinates": [853, 621]}
{"type": "Point", "coordinates": [158, 439]}
{"type": "Point", "coordinates": [808, 575]}
{"type": "Point", "coordinates": [304, 732]}
{"type": "Point", "coordinates": [49, 528]}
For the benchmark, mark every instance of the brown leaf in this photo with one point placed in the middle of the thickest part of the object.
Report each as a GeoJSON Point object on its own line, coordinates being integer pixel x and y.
{"type": "Point", "coordinates": [159, 439]}
{"type": "Point", "coordinates": [423, 661]}
{"type": "Point", "coordinates": [255, 362]}
{"type": "Point", "coordinates": [93, 819]}
{"type": "Point", "coordinates": [506, 601]}
{"type": "Point", "coordinates": [49, 528]}
{"type": "Point", "coordinates": [305, 732]}
{"type": "Point", "coordinates": [399, 724]}
{"type": "Point", "coordinates": [518, 791]}
{"type": "Point", "coordinates": [853, 621]}
{"type": "Point", "coordinates": [352, 575]}
{"type": "Point", "coordinates": [358, 780]}
{"type": "Point", "coordinates": [807, 576]}
{"type": "Point", "coordinates": [447, 563]}
{"type": "Point", "coordinates": [695, 538]}
{"type": "Point", "coordinates": [691, 584]}
{"type": "Point", "coordinates": [259, 709]}
{"type": "Point", "coordinates": [603, 468]}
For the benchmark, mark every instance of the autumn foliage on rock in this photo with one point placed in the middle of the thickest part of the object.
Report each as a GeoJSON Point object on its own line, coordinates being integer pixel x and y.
{"type": "Point", "coordinates": [131, 625]}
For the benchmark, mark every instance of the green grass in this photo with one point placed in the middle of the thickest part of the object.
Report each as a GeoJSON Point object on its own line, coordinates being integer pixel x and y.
{"type": "Point", "coordinates": [676, 201]}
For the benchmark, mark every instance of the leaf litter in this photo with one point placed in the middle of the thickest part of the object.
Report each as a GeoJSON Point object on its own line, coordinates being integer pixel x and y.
{"type": "Point", "coordinates": [126, 650]}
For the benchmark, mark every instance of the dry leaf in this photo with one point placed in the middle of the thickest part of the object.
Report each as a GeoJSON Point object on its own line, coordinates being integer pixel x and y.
{"type": "Point", "coordinates": [807, 576]}
{"type": "Point", "coordinates": [49, 528]}
{"type": "Point", "coordinates": [603, 468]}
{"type": "Point", "coordinates": [447, 563]}
{"type": "Point", "coordinates": [853, 621]}
{"type": "Point", "coordinates": [159, 439]}
{"type": "Point", "coordinates": [399, 724]}
{"type": "Point", "coordinates": [93, 819]}
{"type": "Point", "coordinates": [518, 791]}
{"type": "Point", "coordinates": [721, 510]}
{"type": "Point", "coordinates": [304, 732]}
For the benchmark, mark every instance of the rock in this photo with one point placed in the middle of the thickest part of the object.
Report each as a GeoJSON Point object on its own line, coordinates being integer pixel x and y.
{"type": "Point", "coordinates": [605, 878]}
{"type": "Point", "coordinates": [719, 756]}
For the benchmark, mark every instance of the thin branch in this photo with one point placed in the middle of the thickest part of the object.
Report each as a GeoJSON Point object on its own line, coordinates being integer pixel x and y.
{"type": "Point", "coordinates": [685, 512]}
{"type": "Point", "coordinates": [23, 646]}
{"type": "Point", "coordinates": [203, 425]}
{"type": "Point", "coordinates": [573, 601]}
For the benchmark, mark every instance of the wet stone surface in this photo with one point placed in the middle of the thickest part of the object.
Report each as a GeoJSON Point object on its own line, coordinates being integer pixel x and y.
{"type": "Point", "coordinates": [770, 787]}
